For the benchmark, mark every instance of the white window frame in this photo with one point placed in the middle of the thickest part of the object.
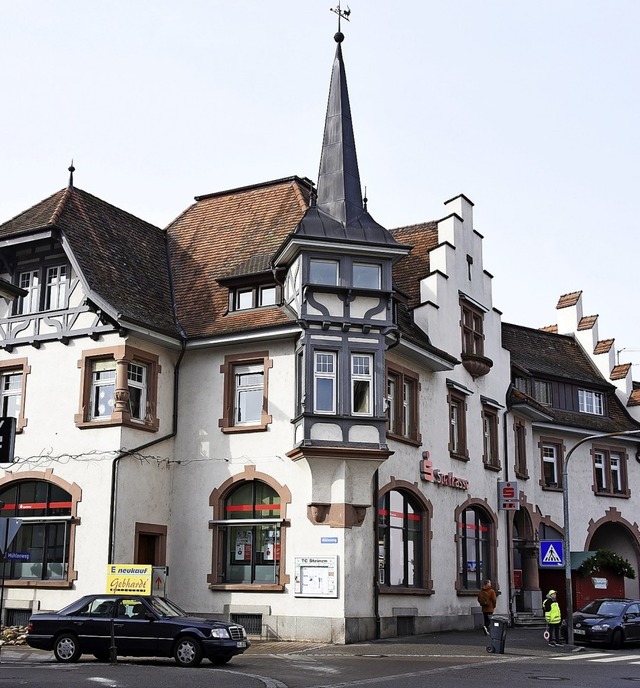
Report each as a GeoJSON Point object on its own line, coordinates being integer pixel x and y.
{"type": "Point", "coordinates": [56, 287]}
{"type": "Point", "coordinates": [239, 388]}
{"type": "Point", "coordinates": [97, 385]}
{"type": "Point", "coordinates": [242, 295]}
{"type": "Point", "coordinates": [11, 394]}
{"type": "Point", "coordinates": [615, 465]}
{"type": "Point", "coordinates": [550, 457]}
{"type": "Point", "coordinates": [270, 300]}
{"type": "Point", "coordinates": [137, 375]}
{"type": "Point", "coordinates": [362, 375]}
{"type": "Point", "coordinates": [454, 422]}
{"type": "Point", "coordinates": [600, 467]}
{"type": "Point", "coordinates": [30, 281]}
{"type": "Point", "coordinates": [591, 402]}
{"type": "Point", "coordinates": [322, 375]}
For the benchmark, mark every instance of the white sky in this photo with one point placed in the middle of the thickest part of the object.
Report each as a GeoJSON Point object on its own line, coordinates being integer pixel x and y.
{"type": "Point", "coordinates": [530, 109]}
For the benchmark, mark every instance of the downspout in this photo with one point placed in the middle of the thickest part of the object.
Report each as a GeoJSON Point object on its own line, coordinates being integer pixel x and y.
{"type": "Point", "coordinates": [174, 416]}
{"type": "Point", "coordinates": [376, 584]}
{"type": "Point", "coordinates": [507, 515]}
{"type": "Point", "coordinates": [141, 447]}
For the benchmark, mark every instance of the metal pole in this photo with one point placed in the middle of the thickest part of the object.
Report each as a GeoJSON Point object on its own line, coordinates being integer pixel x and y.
{"type": "Point", "coordinates": [565, 510]}
{"type": "Point", "coordinates": [4, 563]}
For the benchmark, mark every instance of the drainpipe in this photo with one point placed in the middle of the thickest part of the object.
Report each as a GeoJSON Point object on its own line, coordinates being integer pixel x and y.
{"type": "Point", "coordinates": [376, 590]}
{"type": "Point", "coordinates": [141, 447]}
{"type": "Point", "coordinates": [508, 521]}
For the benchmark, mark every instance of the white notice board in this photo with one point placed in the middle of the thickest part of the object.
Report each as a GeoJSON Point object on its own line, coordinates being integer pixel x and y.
{"type": "Point", "coordinates": [316, 577]}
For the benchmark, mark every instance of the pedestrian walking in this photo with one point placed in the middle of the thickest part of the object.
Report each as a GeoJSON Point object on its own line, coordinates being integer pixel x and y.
{"type": "Point", "coordinates": [553, 617]}
{"type": "Point", "coordinates": [487, 600]}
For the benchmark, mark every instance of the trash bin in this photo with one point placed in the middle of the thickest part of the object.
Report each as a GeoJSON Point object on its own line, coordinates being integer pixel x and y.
{"type": "Point", "coordinates": [497, 635]}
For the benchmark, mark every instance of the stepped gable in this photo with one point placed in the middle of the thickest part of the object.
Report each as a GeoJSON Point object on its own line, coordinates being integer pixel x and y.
{"type": "Point", "coordinates": [228, 234]}
{"type": "Point", "coordinates": [122, 258]}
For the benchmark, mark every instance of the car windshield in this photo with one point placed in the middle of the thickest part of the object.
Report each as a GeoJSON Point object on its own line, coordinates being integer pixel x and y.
{"type": "Point", "coordinates": [604, 608]}
{"type": "Point", "coordinates": [165, 607]}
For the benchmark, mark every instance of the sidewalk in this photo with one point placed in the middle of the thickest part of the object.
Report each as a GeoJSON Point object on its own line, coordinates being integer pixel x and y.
{"type": "Point", "coordinates": [519, 641]}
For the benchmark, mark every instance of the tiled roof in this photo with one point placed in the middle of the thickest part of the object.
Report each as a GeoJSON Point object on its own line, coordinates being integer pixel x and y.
{"type": "Point", "coordinates": [222, 235]}
{"type": "Point", "coordinates": [619, 372]}
{"type": "Point", "coordinates": [547, 354]}
{"type": "Point", "coordinates": [409, 270]}
{"type": "Point", "coordinates": [122, 259]}
{"type": "Point", "coordinates": [550, 356]}
{"type": "Point", "coordinates": [634, 397]}
{"type": "Point", "coordinates": [550, 328]}
{"type": "Point", "coordinates": [588, 322]}
{"type": "Point", "coordinates": [603, 346]}
{"type": "Point", "coordinates": [570, 299]}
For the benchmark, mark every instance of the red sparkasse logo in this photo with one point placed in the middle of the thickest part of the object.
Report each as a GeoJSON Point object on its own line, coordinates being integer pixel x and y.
{"type": "Point", "coordinates": [434, 475]}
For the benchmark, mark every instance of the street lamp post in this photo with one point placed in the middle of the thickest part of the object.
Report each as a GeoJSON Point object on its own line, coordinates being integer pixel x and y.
{"type": "Point", "coordinates": [565, 509]}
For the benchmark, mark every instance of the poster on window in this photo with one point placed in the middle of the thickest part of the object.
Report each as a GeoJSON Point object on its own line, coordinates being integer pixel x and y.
{"type": "Point", "coordinates": [243, 545]}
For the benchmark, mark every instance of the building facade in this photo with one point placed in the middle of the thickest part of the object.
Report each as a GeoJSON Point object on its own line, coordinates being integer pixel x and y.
{"type": "Point", "coordinates": [304, 415]}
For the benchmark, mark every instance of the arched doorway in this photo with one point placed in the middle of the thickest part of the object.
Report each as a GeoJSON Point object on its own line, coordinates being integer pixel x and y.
{"type": "Point", "coordinates": [526, 584]}
{"type": "Point", "coordinates": [616, 534]}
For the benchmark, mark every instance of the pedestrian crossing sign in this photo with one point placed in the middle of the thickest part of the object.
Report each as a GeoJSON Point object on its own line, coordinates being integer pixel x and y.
{"type": "Point", "coordinates": [552, 553]}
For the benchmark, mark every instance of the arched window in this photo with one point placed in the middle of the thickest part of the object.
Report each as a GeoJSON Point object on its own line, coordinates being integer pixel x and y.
{"type": "Point", "coordinates": [475, 562]}
{"type": "Point", "coordinates": [251, 534]}
{"type": "Point", "coordinates": [400, 540]}
{"type": "Point", "coordinates": [41, 546]}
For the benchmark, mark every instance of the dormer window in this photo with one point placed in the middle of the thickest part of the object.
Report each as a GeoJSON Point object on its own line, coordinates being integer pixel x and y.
{"type": "Point", "coordinates": [323, 272]}
{"type": "Point", "coordinates": [245, 298]}
{"type": "Point", "coordinates": [47, 289]}
{"type": "Point", "coordinates": [366, 275]}
{"type": "Point", "coordinates": [590, 402]}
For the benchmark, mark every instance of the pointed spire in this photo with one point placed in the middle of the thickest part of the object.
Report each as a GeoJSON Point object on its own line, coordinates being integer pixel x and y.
{"type": "Point", "coordinates": [339, 192]}
{"type": "Point", "coordinates": [72, 169]}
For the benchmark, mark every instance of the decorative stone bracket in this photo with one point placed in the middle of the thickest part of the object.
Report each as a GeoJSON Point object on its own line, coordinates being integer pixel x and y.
{"type": "Point", "coordinates": [337, 515]}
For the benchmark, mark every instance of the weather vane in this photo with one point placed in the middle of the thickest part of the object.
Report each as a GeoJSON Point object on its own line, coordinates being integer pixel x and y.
{"type": "Point", "coordinates": [342, 14]}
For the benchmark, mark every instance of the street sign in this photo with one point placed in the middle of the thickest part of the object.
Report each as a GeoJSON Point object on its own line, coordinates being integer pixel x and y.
{"type": "Point", "coordinates": [18, 556]}
{"type": "Point", "coordinates": [552, 553]}
{"type": "Point", "coordinates": [159, 580]}
{"type": "Point", "coordinates": [7, 439]}
{"type": "Point", "coordinates": [8, 530]}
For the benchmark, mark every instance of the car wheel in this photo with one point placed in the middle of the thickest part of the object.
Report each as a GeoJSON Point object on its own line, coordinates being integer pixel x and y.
{"type": "Point", "coordinates": [616, 639]}
{"type": "Point", "coordinates": [187, 652]}
{"type": "Point", "coordinates": [66, 648]}
{"type": "Point", "coordinates": [219, 661]}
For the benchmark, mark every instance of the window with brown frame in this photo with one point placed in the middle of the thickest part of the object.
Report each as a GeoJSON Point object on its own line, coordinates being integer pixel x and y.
{"type": "Point", "coordinates": [520, 439]}
{"type": "Point", "coordinates": [246, 392]}
{"type": "Point", "coordinates": [551, 456]}
{"type": "Point", "coordinates": [472, 323]}
{"type": "Point", "coordinates": [491, 455]}
{"type": "Point", "coordinates": [457, 425]}
{"type": "Point", "coordinates": [403, 388]}
{"type": "Point", "coordinates": [119, 387]}
{"type": "Point", "coordinates": [13, 384]}
{"type": "Point", "coordinates": [610, 472]}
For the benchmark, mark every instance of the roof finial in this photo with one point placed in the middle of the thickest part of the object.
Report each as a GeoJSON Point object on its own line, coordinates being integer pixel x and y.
{"type": "Point", "coordinates": [72, 169]}
{"type": "Point", "coordinates": [365, 200]}
{"type": "Point", "coordinates": [342, 14]}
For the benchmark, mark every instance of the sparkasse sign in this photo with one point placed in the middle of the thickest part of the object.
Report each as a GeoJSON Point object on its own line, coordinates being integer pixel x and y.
{"type": "Point", "coordinates": [434, 475]}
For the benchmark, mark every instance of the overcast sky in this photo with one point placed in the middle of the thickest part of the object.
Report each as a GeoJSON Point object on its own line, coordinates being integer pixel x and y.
{"type": "Point", "coordinates": [530, 109]}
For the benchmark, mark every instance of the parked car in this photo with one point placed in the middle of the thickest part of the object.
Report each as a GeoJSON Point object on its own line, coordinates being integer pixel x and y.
{"type": "Point", "coordinates": [134, 626]}
{"type": "Point", "coordinates": [610, 621]}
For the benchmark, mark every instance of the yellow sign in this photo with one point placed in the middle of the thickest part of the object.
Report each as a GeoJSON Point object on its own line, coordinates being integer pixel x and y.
{"type": "Point", "coordinates": [125, 579]}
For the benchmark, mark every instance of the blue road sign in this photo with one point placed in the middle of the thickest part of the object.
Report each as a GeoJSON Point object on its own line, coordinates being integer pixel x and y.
{"type": "Point", "coordinates": [552, 553]}
{"type": "Point", "coordinates": [18, 556]}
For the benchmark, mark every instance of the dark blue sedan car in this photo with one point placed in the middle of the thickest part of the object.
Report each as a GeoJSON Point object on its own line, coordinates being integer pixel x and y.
{"type": "Point", "coordinates": [134, 626]}
{"type": "Point", "coordinates": [608, 621]}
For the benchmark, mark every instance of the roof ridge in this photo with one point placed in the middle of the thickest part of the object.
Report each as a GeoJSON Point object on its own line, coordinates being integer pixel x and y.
{"type": "Point", "coordinates": [57, 213]}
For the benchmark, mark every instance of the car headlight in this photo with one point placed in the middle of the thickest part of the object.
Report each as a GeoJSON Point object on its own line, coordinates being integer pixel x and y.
{"type": "Point", "coordinates": [601, 627]}
{"type": "Point", "coordinates": [219, 633]}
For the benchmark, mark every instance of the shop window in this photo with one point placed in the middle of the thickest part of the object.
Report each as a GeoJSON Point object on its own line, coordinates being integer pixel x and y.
{"type": "Point", "coordinates": [402, 544]}
{"type": "Point", "coordinates": [46, 534]}
{"type": "Point", "coordinates": [475, 548]}
{"type": "Point", "coordinates": [249, 536]}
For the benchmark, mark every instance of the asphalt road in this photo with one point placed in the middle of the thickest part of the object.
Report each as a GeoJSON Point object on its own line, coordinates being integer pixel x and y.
{"type": "Point", "coordinates": [446, 660]}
